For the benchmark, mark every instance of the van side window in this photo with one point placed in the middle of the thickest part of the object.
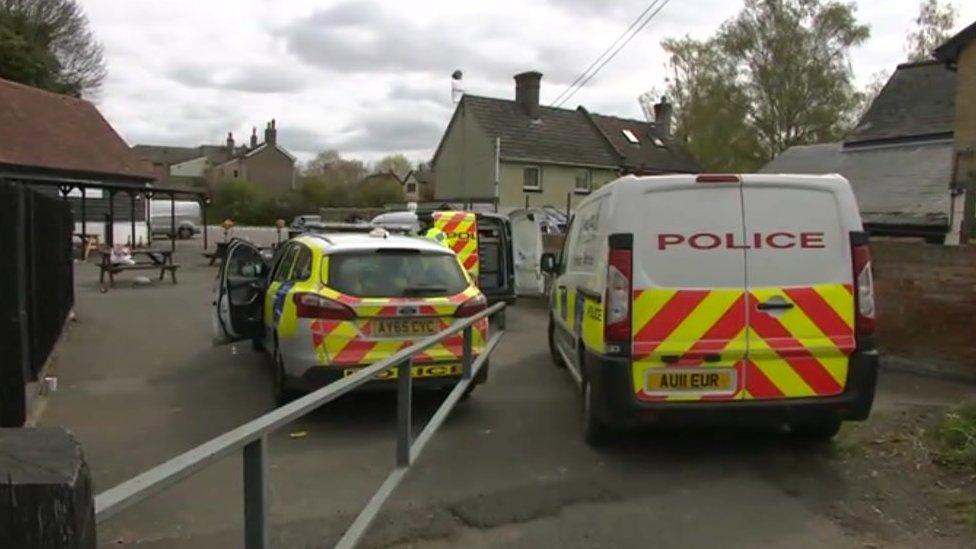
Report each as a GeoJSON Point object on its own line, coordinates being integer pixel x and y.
{"type": "Point", "coordinates": [564, 251]}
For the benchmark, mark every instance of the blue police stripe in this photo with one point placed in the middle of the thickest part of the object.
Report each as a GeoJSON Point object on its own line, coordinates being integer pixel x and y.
{"type": "Point", "coordinates": [279, 302]}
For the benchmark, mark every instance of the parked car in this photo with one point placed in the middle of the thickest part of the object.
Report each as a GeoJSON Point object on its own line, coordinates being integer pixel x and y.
{"type": "Point", "coordinates": [717, 297]}
{"type": "Point", "coordinates": [327, 305]}
{"type": "Point", "coordinates": [187, 214]}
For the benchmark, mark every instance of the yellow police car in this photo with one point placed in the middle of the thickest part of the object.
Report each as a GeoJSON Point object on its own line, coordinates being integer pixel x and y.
{"type": "Point", "coordinates": [327, 305]}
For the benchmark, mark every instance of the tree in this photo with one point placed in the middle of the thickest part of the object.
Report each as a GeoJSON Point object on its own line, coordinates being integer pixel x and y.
{"type": "Point", "coordinates": [933, 27]}
{"type": "Point", "coordinates": [395, 163]}
{"type": "Point", "coordinates": [377, 190]}
{"type": "Point", "coordinates": [774, 76]}
{"type": "Point", "coordinates": [331, 166]}
{"type": "Point", "coordinates": [48, 44]}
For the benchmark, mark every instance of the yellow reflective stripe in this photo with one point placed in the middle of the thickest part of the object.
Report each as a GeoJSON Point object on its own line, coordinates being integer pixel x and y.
{"type": "Point", "coordinates": [779, 372]}
{"type": "Point", "coordinates": [336, 340]}
{"type": "Point", "coordinates": [701, 319]}
{"type": "Point", "coordinates": [648, 304]}
{"type": "Point", "coordinates": [840, 300]}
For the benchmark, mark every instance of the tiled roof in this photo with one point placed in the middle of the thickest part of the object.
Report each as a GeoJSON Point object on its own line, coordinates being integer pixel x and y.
{"type": "Point", "coordinates": [651, 153]}
{"type": "Point", "coordinates": [167, 155]}
{"type": "Point", "coordinates": [917, 102]}
{"type": "Point", "coordinates": [559, 136]}
{"type": "Point", "coordinates": [949, 51]}
{"type": "Point", "coordinates": [52, 132]}
{"type": "Point", "coordinates": [897, 184]}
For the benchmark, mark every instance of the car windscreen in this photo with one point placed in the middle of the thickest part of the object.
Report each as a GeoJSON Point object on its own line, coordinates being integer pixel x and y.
{"type": "Point", "coordinates": [396, 273]}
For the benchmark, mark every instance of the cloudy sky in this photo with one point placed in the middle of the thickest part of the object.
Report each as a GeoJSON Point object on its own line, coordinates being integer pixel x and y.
{"type": "Point", "coordinates": [371, 77]}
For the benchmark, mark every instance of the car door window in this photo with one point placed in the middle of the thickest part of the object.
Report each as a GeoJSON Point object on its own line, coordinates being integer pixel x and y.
{"type": "Point", "coordinates": [303, 264]}
{"type": "Point", "coordinates": [283, 268]}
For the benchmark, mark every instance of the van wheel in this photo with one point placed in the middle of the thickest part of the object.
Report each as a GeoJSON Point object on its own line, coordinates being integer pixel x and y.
{"type": "Point", "coordinates": [282, 393]}
{"type": "Point", "coordinates": [557, 358]}
{"type": "Point", "coordinates": [816, 430]}
{"type": "Point", "coordinates": [595, 431]}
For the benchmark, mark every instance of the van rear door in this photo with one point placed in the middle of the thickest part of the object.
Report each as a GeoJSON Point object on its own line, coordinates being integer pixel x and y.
{"type": "Point", "coordinates": [799, 280]}
{"type": "Point", "coordinates": [527, 243]}
{"type": "Point", "coordinates": [688, 309]}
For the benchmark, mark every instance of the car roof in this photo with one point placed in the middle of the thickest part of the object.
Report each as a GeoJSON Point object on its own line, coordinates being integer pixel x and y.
{"type": "Point", "coordinates": [330, 243]}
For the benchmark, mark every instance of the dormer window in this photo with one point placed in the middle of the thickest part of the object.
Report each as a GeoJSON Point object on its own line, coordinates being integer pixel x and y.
{"type": "Point", "coordinates": [630, 136]}
{"type": "Point", "coordinates": [658, 142]}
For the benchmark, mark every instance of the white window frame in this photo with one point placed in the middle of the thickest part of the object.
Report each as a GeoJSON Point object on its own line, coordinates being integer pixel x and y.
{"type": "Point", "coordinates": [630, 136]}
{"type": "Point", "coordinates": [589, 181]}
{"type": "Point", "coordinates": [538, 179]}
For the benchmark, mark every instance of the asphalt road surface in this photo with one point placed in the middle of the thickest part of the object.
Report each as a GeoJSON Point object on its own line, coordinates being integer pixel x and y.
{"type": "Point", "coordinates": [141, 381]}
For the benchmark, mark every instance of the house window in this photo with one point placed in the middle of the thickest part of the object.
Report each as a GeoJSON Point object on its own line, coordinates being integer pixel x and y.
{"type": "Point", "coordinates": [630, 136]}
{"type": "Point", "coordinates": [584, 182]}
{"type": "Point", "coordinates": [235, 173]}
{"type": "Point", "coordinates": [411, 188]}
{"type": "Point", "coordinates": [532, 178]}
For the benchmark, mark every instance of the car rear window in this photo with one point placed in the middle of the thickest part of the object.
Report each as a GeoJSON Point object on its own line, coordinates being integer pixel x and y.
{"type": "Point", "coordinates": [396, 273]}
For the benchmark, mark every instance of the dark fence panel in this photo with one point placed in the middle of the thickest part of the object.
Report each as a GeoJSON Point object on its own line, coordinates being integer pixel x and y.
{"type": "Point", "coordinates": [35, 233]}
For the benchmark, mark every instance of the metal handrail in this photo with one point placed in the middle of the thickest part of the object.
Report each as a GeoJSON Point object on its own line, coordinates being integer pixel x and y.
{"type": "Point", "coordinates": [252, 437]}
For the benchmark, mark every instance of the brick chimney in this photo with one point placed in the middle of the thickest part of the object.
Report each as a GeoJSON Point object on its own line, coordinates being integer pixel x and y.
{"type": "Point", "coordinates": [254, 137]}
{"type": "Point", "coordinates": [230, 142]}
{"type": "Point", "coordinates": [527, 92]}
{"type": "Point", "coordinates": [662, 118]}
{"type": "Point", "coordinates": [271, 133]}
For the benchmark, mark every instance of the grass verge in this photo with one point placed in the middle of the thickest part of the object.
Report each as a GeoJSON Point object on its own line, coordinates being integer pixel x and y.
{"type": "Point", "coordinates": [955, 435]}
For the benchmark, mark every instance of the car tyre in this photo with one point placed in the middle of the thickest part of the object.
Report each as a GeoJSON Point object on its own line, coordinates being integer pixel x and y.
{"type": "Point", "coordinates": [282, 393]}
{"type": "Point", "coordinates": [557, 358]}
{"type": "Point", "coordinates": [595, 432]}
{"type": "Point", "coordinates": [816, 431]}
{"type": "Point", "coordinates": [481, 377]}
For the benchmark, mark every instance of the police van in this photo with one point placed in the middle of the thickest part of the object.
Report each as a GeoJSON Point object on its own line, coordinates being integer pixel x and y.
{"type": "Point", "coordinates": [689, 297]}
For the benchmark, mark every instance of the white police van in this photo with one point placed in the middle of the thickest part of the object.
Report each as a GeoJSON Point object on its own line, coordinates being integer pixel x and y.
{"type": "Point", "coordinates": [717, 296]}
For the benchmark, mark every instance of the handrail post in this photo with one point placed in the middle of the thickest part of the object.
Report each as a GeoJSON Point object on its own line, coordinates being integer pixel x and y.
{"type": "Point", "coordinates": [404, 412]}
{"type": "Point", "coordinates": [466, 356]}
{"type": "Point", "coordinates": [256, 494]}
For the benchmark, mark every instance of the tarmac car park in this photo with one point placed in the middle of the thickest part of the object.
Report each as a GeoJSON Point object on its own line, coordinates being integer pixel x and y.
{"type": "Point", "coordinates": [327, 305]}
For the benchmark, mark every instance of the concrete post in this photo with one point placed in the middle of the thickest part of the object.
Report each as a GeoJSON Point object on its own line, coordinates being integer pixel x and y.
{"type": "Point", "coordinates": [45, 491]}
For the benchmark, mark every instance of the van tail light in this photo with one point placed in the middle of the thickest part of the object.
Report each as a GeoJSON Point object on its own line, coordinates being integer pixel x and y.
{"type": "Point", "coordinates": [472, 306]}
{"type": "Point", "coordinates": [864, 321]}
{"type": "Point", "coordinates": [619, 289]}
{"type": "Point", "coordinates": [309, 305]}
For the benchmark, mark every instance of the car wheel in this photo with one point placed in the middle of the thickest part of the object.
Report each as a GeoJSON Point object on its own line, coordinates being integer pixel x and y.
{"type": "Point", "coordinates": [595, 431]}
{"type": "Point", "coordinates": [481, 377]}
{"type": "Point", "coordinates": [185, 233]}
{"type": "Point", "coordinates": [557, 358]}
{"type": "Point", "coordinates": [282, 393]}
{"type": "Point", "coordinates": [817, 430]}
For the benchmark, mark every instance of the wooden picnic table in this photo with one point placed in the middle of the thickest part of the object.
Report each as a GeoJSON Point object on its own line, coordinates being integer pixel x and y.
{"type": "Point", "coordinates": [155, 259]}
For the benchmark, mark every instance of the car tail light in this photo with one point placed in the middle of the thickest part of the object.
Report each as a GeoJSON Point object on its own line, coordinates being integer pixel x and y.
{"type": "Point", "coordinates": [617, 327]}
{"type": "Point", "coordinates": [717, 178]}
{"type": "Point", "coordinates": [309, 305]}
{"type": "Point", "coordinates": [864, 321]}
{"type": "Point", "coordinates": [472, 306]}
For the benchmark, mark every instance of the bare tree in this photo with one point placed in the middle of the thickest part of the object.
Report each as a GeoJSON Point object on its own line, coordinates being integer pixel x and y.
{"type": "Point", "coordinates": [49, 44]}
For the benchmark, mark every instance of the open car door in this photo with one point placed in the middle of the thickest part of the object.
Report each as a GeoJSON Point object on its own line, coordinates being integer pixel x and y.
{"type": "Point", "coordinates": [239, 293]}
{"type": "Point", "coordinates": [527, 245]}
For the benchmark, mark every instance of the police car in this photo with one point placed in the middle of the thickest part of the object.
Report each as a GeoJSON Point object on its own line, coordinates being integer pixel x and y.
{"type": "Point", "coordinates": [327, 305]}
{"type": "Point", "coordinates": [717, 296]}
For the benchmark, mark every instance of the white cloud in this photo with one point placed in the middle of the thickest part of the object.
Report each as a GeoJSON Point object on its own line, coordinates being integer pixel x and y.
{"type": "Point", "coordinates": [372, 77]}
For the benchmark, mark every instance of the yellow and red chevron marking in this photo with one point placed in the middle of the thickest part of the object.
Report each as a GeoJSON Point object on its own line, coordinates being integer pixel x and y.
{"type": "Point", "coordinates": [801, 352]}
{"type": "Point", "coordinates": [461, 235]}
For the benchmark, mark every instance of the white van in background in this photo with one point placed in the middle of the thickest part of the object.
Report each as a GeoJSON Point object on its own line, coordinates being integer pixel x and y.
{"type": "Point", "coordinates": [187, 213]}
{"type": "Point", "coordinates": [717, 297]}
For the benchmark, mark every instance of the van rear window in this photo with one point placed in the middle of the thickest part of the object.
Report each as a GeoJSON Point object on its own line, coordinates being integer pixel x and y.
{"type": "Point", "coordinates": [396, 273]}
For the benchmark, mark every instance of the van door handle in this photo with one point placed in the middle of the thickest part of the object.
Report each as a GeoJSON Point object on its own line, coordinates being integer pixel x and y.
{"type": "Point", "coordinates": [774, 305]}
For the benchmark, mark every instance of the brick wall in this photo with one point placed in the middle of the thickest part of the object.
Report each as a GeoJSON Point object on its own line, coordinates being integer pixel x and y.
{"type": "Point", "coordinates": [926, 299]}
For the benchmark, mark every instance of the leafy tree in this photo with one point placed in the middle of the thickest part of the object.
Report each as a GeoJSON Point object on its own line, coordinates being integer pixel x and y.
{"type": "Point", "coordinates": [241, 201]}
{"type": "Point", "coordinates": [395, 163]}
{"type": "Point", "coordinates": [774, 76]}
{"type": "Point", "coordinates": [377, 190]}
{"type": "Point", "coordinates": [933, 27]}
{"type": "Point", "coordinates": [324, 193]}
{"type": "Point", "coordinates": [331, 166]}
{"type": "Point", "coordinates": [48, 44]}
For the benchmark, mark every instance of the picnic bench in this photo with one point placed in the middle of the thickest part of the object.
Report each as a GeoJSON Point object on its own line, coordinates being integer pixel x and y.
{"type": "Point", "coordinates": [219, 253]}
{"type": "Point", "coordinates": [156, 259]}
